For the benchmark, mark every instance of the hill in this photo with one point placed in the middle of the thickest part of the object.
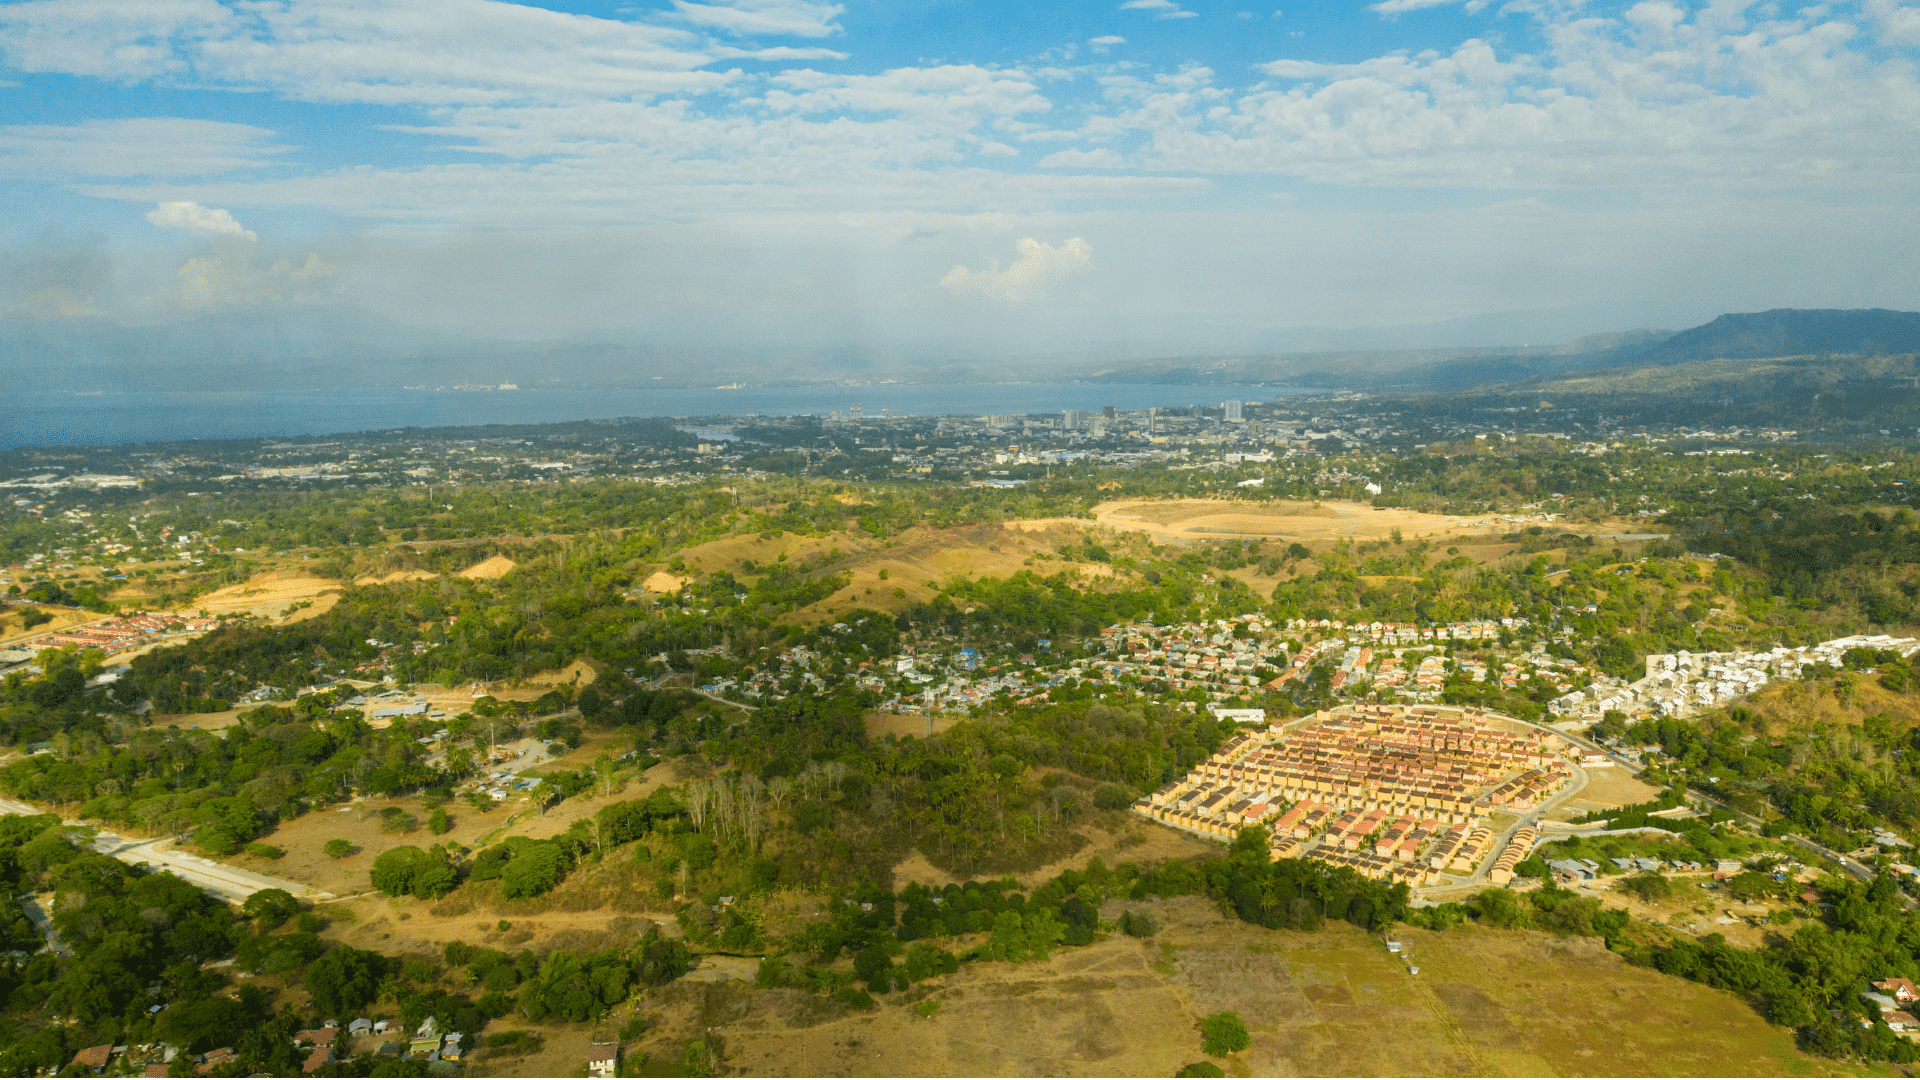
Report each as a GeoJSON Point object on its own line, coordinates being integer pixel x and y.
{"type": "Point", "coordinates": [1785, 332]}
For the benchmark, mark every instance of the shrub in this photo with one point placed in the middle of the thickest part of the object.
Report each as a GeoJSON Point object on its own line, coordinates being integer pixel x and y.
{"type": "Point", "coordinates": [1112, 797]}
{"type": "Point", "coordinates": [1649, 886]}
{"type": "Point", "coordinates": [264, 851]}
{"type": "Point", "coordinates": [395, 820]}
{"type": "Point", "coordinates": [337, 849]}
{"type": "Point", "coordinates": [1201, 1068]}
{"type": "Point", "coordinates": [1224, 1033]}
{"type": "Point", "coordinates": [439, 824]}
{"type": "Point", "coordinates": [409, 871]}
{"type": "Point", "coordinates": [856, 999]}
{"type": "Point", "coordinates": [271, 907]}
{"type": "Point", "coordinates": [1138, 924]}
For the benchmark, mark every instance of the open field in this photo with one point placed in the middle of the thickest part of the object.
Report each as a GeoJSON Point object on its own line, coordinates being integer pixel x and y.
{"type": "Point", "coordinates": [910, 560]}
{"type": "Point", "coordinates": [1180, 520]}
{"type": "Point", "coordinates": [1605, 790]}
{"type": "Point", "coordinates": [13, 621]}
{"type": "Point", "coordinates": [269, 596]}
{"type": "Point", "coordinates": [880, 725]}
{"type": "Point", "coordinates": [1332, 1002]}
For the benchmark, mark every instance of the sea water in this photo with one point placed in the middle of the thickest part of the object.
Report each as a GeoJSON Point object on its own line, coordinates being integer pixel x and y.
{"type": "Point", "coordinates": [110, 418]}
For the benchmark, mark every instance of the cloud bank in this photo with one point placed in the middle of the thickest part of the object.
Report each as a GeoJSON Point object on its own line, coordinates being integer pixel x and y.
{"type": "Point", "coordinates": [1027, 277]}
{"type": "Point", "coordinates": [196, 218]}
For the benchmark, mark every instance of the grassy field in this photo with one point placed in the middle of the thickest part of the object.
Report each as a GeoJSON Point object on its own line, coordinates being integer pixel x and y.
{"type": "Point", "coordinates": [1327, 1003]}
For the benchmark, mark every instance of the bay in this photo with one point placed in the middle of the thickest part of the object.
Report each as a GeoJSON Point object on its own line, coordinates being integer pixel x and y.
{"type": "Point", "coordinates": [112, 418]}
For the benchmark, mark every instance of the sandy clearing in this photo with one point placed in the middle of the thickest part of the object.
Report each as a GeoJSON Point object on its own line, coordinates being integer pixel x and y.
{"type": "Point", "coordinates": [397, 575]}
{"type": "Point", "coordinates": [662, 582]}
{"type": "Point", "coordinates": [270, 595]}
{"type": "Point", "coordinates": [497, 566]}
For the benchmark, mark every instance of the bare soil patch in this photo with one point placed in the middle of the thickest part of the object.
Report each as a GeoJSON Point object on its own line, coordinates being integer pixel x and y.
{"type": "Point", "coordinates": [397, 575]}
{"type": "Point", "coordinates": [497, 566]}
{"type": "Point", "coordinates": [662, 582]}
{"type": "Point", "coordinates": [269, 595]}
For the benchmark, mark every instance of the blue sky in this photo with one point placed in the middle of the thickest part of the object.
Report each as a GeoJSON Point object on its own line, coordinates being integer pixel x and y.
{"type": "Point", "coordinates": [993, 177]}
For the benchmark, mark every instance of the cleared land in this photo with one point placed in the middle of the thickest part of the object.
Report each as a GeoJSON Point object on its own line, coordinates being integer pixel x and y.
{"type": "Point", "coordinates": [1605, 790]}
{"type": "Point", "coordinates": [497, 566]}
{"type": "Point", "coordinates": [879, 725]}
{"type": "Point", "coordinates": [1180, 520]}
{"type": "Point", "coordinates": [1327, 1003]}
{"type": "Point", "coordinates": [271, 596]}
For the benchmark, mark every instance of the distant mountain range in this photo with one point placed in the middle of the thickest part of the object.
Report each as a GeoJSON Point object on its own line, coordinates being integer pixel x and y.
{"type": "Point", "coordinates": [1782, 332]}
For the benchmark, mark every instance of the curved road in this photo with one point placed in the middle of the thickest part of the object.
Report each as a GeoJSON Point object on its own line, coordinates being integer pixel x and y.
{"type": "Point", "coordinates": [226, 882]}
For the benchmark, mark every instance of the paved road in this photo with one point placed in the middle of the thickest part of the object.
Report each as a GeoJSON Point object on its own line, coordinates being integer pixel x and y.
{"type": "Point", "coordinates": [43, 922]}
{"type": "Point", "coordinates": [226, 882]}
{"type": "Point", "coordinates": [1851, 865]}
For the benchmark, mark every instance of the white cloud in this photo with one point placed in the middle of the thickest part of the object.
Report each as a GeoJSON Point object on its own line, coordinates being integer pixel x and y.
{"type": "Point", "coordinates": [1899, 23]}
{"type": "Point", "coordinates": [1661, 96]}
{"type": "Point", "coordinates": [397, 52]}
{"type": "Point", "coordinates": [1395, 7]}
{"type": "Point", "coordinates": [1162, 9]}
{"type": "Point", "coordinates": [196, 218]}
{"type": "Point", "coordinates": [157, 146]}
{"type": "Point", "coordinates": [1110, 39]}
{"type": "Point", "coordinates": [788, 52]}
{"type": "Point", "coordinates": [787, 17]}
{"type": "Point", "coordinates": [1027, 277]}
{"type": "Point", "coordinates": [1100, 158]}
{"type": "Point", "coordinates": [229, 279]}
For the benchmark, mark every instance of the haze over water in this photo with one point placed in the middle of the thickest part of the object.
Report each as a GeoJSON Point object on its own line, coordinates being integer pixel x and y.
{"type": "Point", "coordinates": [118, 417]}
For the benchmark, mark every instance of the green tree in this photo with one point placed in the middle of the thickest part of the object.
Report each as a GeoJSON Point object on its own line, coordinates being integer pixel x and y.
{"type": "Point", "coordinates": [1224, 1033]}
{"type": "Point", "coordinates": [345, 979]}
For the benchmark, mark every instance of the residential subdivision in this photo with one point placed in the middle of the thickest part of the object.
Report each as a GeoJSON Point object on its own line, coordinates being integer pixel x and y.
{"type": "Point", "coordinates": [1399, 793]}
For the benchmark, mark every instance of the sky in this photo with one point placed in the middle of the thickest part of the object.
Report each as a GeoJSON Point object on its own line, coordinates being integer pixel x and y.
{"type": "Point", "coordinates": [988, 179]}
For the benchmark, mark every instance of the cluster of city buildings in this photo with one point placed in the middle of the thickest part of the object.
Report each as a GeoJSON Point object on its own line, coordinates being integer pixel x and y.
{"type": "Point", "coordinates": [1398, 793]}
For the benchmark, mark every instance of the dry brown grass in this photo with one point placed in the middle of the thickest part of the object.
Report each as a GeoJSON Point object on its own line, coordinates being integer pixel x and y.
{"type": "Point", "coordinates": [1605, 790]}
{"type": "Point", "coordinates": [910, 560]}
{"type": "Point", "coordinates": [13, 622]}
{"type": "Point", "coordinates": [1327, 1003]}
{"type": "Point", "coordinates": [880, 725]}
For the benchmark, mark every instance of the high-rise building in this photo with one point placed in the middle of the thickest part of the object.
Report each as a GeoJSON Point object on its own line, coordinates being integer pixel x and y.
{"type": "Point", "coordinates": [1073, 419]}
{"type": "Point", "coordinates": [1232, 408]}
{"type": "Point", "coordinates": [1108, 412]}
